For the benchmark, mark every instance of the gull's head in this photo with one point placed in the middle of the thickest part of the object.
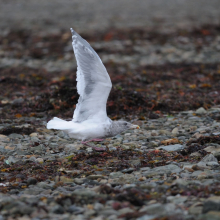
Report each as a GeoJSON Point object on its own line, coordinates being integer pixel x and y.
{"type": "Point", "coordinates": [126, 125]}
{"type": "Point", "coordinates": [119, 126]}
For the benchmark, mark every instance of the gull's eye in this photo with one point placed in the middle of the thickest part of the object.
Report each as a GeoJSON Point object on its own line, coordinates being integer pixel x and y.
{"type": "Point", "coordinates": [125, 123]}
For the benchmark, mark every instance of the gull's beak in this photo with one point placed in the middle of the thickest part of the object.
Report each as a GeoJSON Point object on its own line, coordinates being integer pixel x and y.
{"type": "Point", "coordinates": [135, 127]}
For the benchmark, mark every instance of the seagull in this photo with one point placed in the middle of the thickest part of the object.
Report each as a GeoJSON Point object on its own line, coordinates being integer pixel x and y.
{"type": "Point", "coordinates": [90, 121]}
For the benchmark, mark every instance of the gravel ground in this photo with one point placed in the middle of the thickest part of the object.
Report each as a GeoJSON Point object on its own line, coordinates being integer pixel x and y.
{"type": "Point", "coordinates": [157, 171]}
{"type": "Point", "coordinates": [163, 58]}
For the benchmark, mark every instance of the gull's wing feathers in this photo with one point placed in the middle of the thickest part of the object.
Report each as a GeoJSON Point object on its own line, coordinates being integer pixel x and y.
{"type": "Point", "coordinates": [93, 82]}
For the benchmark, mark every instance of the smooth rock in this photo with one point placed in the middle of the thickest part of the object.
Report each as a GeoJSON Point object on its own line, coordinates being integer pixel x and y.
{"type": "Point", "coordinates": [175, 131]}
{"type": "Point", "coordinates": [31, 181]}
{"type": "Point", "coordinates": [17, 102]}
{"type": "Point", "coordinates": [212, 204]}
{"type": "Point", "coordinates": [147, 217]}
{"type": "Point", "coordinates": [160, 209]}
{"type": "Point", "coordinates": [174, 147]}
{"type": "Point", "coordinates": [40, 160]}
{"type": "Point", "coordinates": [4, 138]}
{"type": "Point", "coordinates": [209, 160]}
{"type": "Point", "coordinates": [196, 209]}
{"type": "Point", "coordinates": [75, 209]}
{"type": "Point", "coordinates": [200, 111]}
{"type": "Point", "coordinates": [211, 215]}
{"type": "Point", "coordinates": [212, 149]}
{"type": "Point", "coordinates": [33, 135]}
{"type": "Point", "coordinates": [114, 175]}
{"type": "Point", "coordinates": [168, 169]}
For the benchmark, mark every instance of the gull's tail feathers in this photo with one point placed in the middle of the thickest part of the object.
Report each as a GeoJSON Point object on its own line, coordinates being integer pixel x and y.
{"type": "Point", "coordinates": [59, 124]}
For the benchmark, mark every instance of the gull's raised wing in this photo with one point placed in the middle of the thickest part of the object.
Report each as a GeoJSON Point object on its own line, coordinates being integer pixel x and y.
{"type": "Point", "coordinates": [93, 82]}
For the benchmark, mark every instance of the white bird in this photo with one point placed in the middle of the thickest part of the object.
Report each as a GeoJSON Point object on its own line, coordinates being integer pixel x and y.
{"type": "Point", "coordinates": [90, 121]}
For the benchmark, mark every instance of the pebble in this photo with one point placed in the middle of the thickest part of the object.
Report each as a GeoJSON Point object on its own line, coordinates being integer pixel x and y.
{"type": "Point", "coordinates": [31, 181]}
{"type": "Point", "coordinates": [212, 204]}
{"type": "Point", "coordinates": [175, 147]}
{"type": "Point", "coordinates": [200, 111]}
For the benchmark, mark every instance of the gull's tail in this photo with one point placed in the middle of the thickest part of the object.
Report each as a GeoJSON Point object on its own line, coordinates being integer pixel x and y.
{"type": "Point", "coordinates": [59, 124]}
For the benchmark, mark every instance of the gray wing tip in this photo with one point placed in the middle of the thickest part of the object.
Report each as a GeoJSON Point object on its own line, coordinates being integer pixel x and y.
{"type": "Point", "coordinates": [75, 35]}
{"type": "Point", "coordinates": [72, 31]}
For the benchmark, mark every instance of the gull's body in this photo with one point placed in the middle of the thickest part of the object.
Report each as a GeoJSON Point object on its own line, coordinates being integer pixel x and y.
{"type": "Point", "coordinates": [90, 119]}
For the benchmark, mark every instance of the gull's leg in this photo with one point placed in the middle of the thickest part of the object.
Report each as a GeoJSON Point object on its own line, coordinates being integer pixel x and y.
{"type": "Point", "coordinates": [95, 139]}
{"type": "Point", "coordinates": [94, 148]}
{"type": "Point", "coordinates": [85, 143]}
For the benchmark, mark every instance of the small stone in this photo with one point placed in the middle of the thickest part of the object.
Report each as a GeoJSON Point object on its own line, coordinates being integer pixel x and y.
{"type": "Point", "coordinates": [170, 141]}
{"type": "Point", "coordinates": [180, 182]}
{"type": "Point", "coordinates": [35, 139]}
{"type": "Point", "coordinates": [154, 133]}
{"type": "Point", "coordinates": [147, 217]}
{"type": "Point", "coordinates": [200, 111]}
{"type": "Point", "coordinates": [159, 209]}
{"type": "Point", "coordinates": [73, 147]}
{"type": "Point", "coordinates": [14, 136]}
{"type": "Point", "coordinates": [9, 148]}
{"type": "Point", "coordinates": [142, 178]}
{"type": "Point", "coordinates": [31, 181]}
{"type": "Point", "coordinates": [175, 131]}
{"type": "Point", "coordinates": [45, 185]}
{"type": "Point", "coordinates": [129, 170]}
{"type": "Point", "coordinates": [79, 180]}
{"type": "Point", "coordinates": [75, 209]}
{"type": "Point", "coordinates": [188, 169]}
{"type": "Point", "coordinates": [212, 204]}
{"type": "Point", "coordinates": [114, 175]}
{"type": "Point", "coordinates": [197, 135]}
{"type": "Point", "coordinates": [209, 160]}
{"type": "Point", "coordinates": [40, 160]}
{"type": "Point", "coordinates": [32, 158]}
{"type": "Point", "coordinates": [98, 206]}
{"type": "Point", "coordinates": [57, 209]}
{"type": "Point", "coordinates": [63, 179]}
{"type": "Point", "coordinates": [17, 102]}
{"type": "Point", "coordinates": [168, 169]}
{"type": "Point", "coordinates": [203, 175]}
{"type": "Point", "coordinates": [174, 147]}
{"type": "Point", "coordinates": [212, 149]}
{"type": "Point", "coordinates": [217, 155]}
{"type": "Point", "coordinates": [4, 138]}
{"type": "Point", "coordinates": [153, 144]}
{"type": "Point", "coordinates": [12, 159]}
{"type": "Point", "coordinates": [196, 209]}
{"type": "Point", "coordinates": [125, 210]}
{"type": "Point", "coordinates": [33, 135]}
{"type": "Point", "coordinates": [193, 128]}
{"type": "Point", "coordinates": [179, 200]}
{"type": "Point", "coordinates": [94, 177]}
{"type": "Point", "coordinates": [212, 215]}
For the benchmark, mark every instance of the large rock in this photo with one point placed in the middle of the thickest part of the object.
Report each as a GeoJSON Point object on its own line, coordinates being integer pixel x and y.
{"type": "Point", "coordinates": [208, 160]}
{"type": "Point", "coordinates": [168, 169]}
{"type": "Point", "coordinates": [212, 204]}
{"type": "Point", "coordinates": [201, 111]}
{"type": "Point", "coordinates": [174, 147]}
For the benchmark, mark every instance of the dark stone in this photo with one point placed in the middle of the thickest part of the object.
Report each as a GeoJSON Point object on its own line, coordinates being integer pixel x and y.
{"type": "Point", "coordinates": [75, 209]}
{"type": "Point", "coordinates": [212, 204]}
{"type": "Point", "coordinates": [57, 209]}
{"type": "Point", "coordinates": [31, 181]}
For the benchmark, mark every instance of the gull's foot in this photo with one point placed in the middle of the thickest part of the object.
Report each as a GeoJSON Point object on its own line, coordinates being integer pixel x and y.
{"type": "Point", "coordinates": [94, 148]}
{"type": "Point", "coordinates": [95, 139]}
{"type": "Point", "coordinates": [85, 143]}
{"type": "Point", "coordinates": [98, 149]}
